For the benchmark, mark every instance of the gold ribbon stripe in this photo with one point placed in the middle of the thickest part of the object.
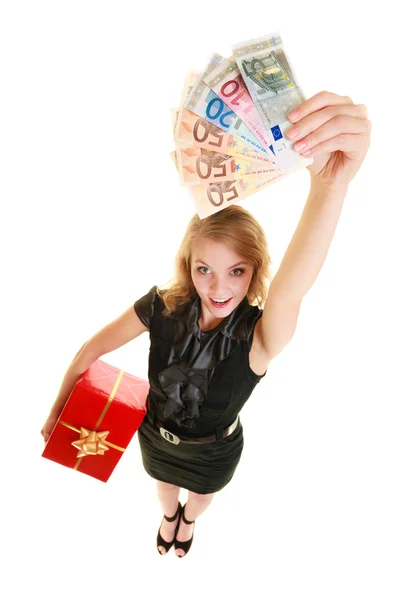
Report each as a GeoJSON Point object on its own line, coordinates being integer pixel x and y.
{"type": "Point", "coordinates": [111, 398]}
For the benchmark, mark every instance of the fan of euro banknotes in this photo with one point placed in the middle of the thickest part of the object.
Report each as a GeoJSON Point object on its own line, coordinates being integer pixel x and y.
{"type": "Point", "coordinates": [229, 130]}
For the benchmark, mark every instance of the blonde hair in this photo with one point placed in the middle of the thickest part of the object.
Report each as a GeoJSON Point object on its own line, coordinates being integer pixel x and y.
{"type": "Point", "coordinates": [237, 229]}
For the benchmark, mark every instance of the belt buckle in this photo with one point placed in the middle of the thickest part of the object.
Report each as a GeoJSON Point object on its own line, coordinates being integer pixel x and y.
{"type": "Point", "coordinates": [170, 437]}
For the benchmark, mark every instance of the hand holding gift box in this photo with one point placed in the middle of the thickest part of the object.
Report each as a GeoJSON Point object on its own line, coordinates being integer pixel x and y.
{"type": "Point", "coordinates": [105, 409]}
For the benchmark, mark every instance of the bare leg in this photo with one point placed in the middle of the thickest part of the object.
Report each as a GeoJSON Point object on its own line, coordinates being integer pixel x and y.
{"type": "Point", "coordinates": [195, 506]}
{"type": "Point", "coordinates": [168, 496]}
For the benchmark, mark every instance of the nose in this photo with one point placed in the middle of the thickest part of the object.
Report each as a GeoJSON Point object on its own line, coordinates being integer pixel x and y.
{"type": "Point", "coordinates": [218, 288]}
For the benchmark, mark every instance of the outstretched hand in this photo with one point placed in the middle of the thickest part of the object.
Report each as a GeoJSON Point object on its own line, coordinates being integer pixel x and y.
{"type": "Point", "coordinates": [333, 131]}
{"type": "Point", "coordinates": [48, 426]}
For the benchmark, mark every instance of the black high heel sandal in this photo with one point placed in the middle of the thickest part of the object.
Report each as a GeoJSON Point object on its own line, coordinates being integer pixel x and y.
{"type": "Point", "coordinates": [160, 540]}
{"type": "Point", "coordinates": [185, 546]}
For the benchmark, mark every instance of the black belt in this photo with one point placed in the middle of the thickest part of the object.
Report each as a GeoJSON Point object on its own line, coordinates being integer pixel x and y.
{"type": "Point", "coordinates": [174, 439]}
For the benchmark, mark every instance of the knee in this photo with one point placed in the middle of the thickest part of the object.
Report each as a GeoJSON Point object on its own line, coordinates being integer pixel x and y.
{"type": "Point", "coordinates": [204, 499]}
{"type": "Point", "coordinates": [166, 487]}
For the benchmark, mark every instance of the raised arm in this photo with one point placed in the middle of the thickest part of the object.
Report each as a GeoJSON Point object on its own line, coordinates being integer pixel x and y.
{"type": "Point", "coordinates": [336, 133]}
{"type": "Point", "coordinates": [114, 335]}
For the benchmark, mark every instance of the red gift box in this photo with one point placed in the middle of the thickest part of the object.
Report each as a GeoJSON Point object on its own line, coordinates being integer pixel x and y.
{"type": "Point", "coordinates": [102, 413]}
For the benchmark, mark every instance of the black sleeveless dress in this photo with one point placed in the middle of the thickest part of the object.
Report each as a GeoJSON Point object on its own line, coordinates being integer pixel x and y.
{"type": "Point", "coordinates": [199, 382]}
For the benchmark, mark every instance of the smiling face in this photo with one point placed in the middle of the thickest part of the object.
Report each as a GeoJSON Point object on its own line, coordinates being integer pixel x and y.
{"type": "Point", "coordinates": [218, 273]}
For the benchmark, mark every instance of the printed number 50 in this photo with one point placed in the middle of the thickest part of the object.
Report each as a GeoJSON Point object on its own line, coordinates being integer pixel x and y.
{"type": "Point", "coordinates": [220, 189]}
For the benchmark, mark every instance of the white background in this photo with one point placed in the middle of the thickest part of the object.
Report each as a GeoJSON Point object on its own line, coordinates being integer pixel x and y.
{"type": "Point", "coordinates": [92, 216]}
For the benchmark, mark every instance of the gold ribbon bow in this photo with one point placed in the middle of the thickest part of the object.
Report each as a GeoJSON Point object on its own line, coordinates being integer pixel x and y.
{"type": "Point", "coordinates": [91, 442]}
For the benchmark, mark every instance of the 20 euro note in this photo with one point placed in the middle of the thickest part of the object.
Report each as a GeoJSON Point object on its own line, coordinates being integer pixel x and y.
{"type": "Point", "coordinates": [270, 79]}
{"type": "Point", "coordinates": [194, 131]}
{"type": "Point", "coordinates": [227, 82]}
{"type": "Point", "coordinates": [203, 101]}
{"type": "Point", "coordinates": [198, 166]}
{"type": "Point", "coordinates": [217, 196]}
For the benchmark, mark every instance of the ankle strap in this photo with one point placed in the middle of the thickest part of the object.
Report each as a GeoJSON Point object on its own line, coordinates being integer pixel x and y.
{"type": "Point", "coordinates": [183, 517]}
{"type": "Point", "coordinates": [170, 519]}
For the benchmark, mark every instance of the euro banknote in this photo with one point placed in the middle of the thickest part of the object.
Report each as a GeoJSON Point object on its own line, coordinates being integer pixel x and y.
{"type": "Point", "coordinates": [203, 101]}
{"type": "Point", "coordinates": [176, 114]}
{"type": "Point", "coordinates": [227, 82]}
{"type": "Point", "coordinates": [274, 90]}
{"type": "Point", "coordinates": [194, 131]}
{"type": "Point", "coordinates": [214, 197]}
{"type": "Point", "coordinates": [198, 166]}
{"type": "Point", "coordinates": [174, 118]}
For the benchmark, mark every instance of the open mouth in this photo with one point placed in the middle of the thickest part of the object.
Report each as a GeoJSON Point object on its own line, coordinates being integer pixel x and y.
{"type": "Point", "coordinates": [220, 304]}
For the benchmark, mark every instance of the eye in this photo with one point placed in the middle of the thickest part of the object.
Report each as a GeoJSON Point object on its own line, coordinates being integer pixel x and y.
{"type": "Point", "coordinates": [236, 272]}
{"type": "Point", "coordinates": [202, 272]}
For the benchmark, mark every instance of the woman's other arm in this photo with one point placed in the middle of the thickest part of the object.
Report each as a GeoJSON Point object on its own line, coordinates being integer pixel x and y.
{"type": "Point", "coordinates": [123, 329]}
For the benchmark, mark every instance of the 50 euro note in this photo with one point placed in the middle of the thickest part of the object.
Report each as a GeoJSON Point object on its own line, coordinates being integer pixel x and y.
{"type": "Point", "coordinates": [198, 166]}
{"type": "Point", "coordinates": [190, 79]}
{"type": "Point", "coordinates": [217, 196]}
{"type": "Point", "coordinates": [227, 82]}
{"type": "Point", "coordinates": [176, 113]}
{"type": "Point", "coordinates": [194, 131]}
{"type": "Point", "coordinates": [274, 89]}
{"type": "Point", "coordinates": [203, 101]}
{"type": "Point", "coordinates": [174, 118]}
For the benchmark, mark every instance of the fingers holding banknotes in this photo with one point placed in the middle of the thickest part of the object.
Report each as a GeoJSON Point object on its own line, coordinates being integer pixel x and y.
{"type": "Point", "coordinates": [333, 131]}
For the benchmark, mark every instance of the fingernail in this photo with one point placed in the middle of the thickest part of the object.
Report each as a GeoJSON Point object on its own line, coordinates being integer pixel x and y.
{"type": "Point", "coordinates": [299, 146]}
{"type": "Point", "coordinates": [293, 116]}
{"type": "Point", "coordinates": [292, 133]}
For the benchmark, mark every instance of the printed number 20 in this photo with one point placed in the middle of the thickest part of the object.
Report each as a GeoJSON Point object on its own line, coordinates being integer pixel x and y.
{"type": "Point", "coordinates": [220, 104]}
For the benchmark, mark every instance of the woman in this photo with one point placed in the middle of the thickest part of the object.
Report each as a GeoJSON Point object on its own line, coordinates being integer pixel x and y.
{"type": "Point", "coordinates": [210, 345]}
